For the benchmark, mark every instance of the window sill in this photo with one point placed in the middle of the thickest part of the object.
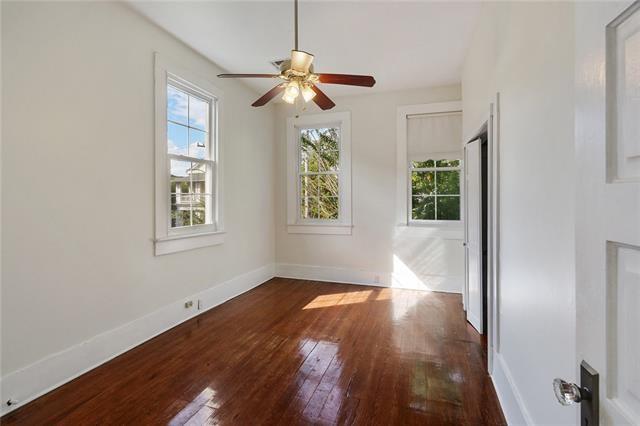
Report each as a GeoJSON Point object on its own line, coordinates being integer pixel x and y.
{"type": "Point", "coordinates": [436, 223]}
{"type": "Point", "coordinates": [174, 244]}
{"type": "Point", "coordinates": [320, 229]}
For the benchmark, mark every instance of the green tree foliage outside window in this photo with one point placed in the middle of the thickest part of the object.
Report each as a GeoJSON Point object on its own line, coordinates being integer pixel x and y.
{"type": "Point", "coordinates": [319, 170]}
{"type": "Point", "coordinates": [435, 190]}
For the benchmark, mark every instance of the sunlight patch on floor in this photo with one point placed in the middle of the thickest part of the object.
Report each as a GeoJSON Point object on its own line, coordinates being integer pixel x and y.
{"type": "Point", "coordinates": [337, 299]}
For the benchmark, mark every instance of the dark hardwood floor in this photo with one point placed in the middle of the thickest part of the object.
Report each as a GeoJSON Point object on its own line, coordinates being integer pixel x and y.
{"type": "Point", "coordinates": [293, 352]}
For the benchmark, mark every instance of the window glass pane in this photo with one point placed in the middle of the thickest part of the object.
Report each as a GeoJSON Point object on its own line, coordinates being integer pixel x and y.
{"type": "Point", "coordinates": [448, 182]}
{"type": "Point", "coordinates": [180, 215]}
{"type": "Point", "coordinates": [448, 163]}
{"type": "Point", "coordinates": [177, 139]}
{"type": "Point", "coordinates": [328, 208]}
{"type": "Point", "coordinates": [448, 208]}
{"type": "Point", "coordinates": [198, 113]}
{"type": "Point", "coordinates": [177, 105]}
{"type": "Point", "coordinates": [329, 160]}
{"type": "Point", "coordinates": [422, 164]}
{"type": "Point", "coordinates": [309, 207]}
{"type": "Point", "coordinates": [328, 185]}
{"type": "Point", "coordinates": [180, 176]}
{"type": "Point", "coordinates": [308, 158]}
{"type": "Point", "coordinates": [327, 139]}
{"type": "Point", "coordinates": [309, 185]}
{"type": "Point", "coordinates": [198, 144]}
{"type": "Point", "coordinates": [201, 204]}
{"type": "Point", "coordinates": [423, 208]}
{"type": "Point", "coordinates": [198, 174]}
{"type": "Point", "coordinates": [180, 187]}
{"type": "Point", "coordinates": [423, 183]}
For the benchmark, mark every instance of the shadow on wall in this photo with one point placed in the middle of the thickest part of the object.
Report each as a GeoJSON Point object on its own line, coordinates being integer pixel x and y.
{"type": "Point", "coordinates": [428, 258]}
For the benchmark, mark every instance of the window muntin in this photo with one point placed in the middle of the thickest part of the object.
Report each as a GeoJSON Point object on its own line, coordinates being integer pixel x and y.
{"type": "Point", "coordinates": [190, 156]}
{"type": "Point", "coordinates": [435, 190]}
{"type": "Point", "coordinates": [319, 173]}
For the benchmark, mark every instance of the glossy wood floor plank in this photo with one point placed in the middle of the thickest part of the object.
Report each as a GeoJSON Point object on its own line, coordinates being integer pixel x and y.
{"type": "Point", "coordinates": [293, 352]}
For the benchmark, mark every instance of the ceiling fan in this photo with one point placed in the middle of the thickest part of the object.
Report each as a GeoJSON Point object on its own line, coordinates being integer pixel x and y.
{"type": "Point", "coordinates": [299, 78]}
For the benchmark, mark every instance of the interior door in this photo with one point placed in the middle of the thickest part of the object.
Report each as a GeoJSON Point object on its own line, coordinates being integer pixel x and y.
{"type": "Point", "coordinates": [473, 233]}
{"type": "Point", "coordinates": [607, 69]}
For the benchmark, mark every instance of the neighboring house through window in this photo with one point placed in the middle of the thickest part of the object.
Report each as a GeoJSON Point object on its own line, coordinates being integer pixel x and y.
{"type": "Point", "coordinates": [188, 213]}
{"type": "Point", "coordinates": [319, 178]}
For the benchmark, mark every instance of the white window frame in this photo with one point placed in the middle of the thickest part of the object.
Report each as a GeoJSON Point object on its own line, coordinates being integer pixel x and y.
{"type": "Point", "coordinates": [170, 240]}
{"type": "Point", "coordinates": [403, 177]}
{"type": "Point", "coordinates": [295, 223]}
{"type": "Point", "coordinates": [435, 157]}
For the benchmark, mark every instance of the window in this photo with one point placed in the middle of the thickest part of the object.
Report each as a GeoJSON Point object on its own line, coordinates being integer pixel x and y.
{"type": "Point", "coordinates": [435, 189]}
{"type": "Point", "coordinates": [190, 170]}
{"type": "Point", "coordinates": [428, 158]}
{"type": "Point", "coordinates": [319, 178]}
{"type": "Point", "coordinates": [319, 173]}
{"type": "Point", "coordinates": [187, 161]}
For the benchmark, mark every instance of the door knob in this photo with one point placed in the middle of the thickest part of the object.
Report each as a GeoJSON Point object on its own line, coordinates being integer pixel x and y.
{"type": "Point", "coordinates": [569, 393]}
{"type": "Point", "coordinates": [586, 394]}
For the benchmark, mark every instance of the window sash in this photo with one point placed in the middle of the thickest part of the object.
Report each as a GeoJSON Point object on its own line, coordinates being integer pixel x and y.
{"type": "Point", "coordinates": [210, 183]}
{"type": "Point", "coordinates": [435, 195]}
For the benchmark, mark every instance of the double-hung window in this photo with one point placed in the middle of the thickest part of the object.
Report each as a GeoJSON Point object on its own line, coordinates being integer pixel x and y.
{"type": "Point", "coordinates": [429, 164]}
{"type": "Point", "coordinates": [319, 177]}
{"type": "Point", "coordinates": [187, 161]}
{"type": "Point", "coordinates": [319, 173]}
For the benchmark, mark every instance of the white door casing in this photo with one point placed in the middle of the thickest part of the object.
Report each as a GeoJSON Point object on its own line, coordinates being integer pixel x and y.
{"type": "Point", "coordinates": [607, 123]}
{"type": "Point", "coordinates": [473, 233]}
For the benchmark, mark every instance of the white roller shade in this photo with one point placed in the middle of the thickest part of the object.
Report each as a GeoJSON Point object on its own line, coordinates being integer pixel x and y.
{"type": "Point", "coordinates": [431, 134]}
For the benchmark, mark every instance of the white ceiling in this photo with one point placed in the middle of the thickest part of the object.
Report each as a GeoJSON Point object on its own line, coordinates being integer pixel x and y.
{"type": "Point", "coordinates": [403, 45]}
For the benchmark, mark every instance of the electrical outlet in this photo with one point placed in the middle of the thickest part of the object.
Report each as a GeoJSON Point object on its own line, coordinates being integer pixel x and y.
{"type": "Point", "coordinates": [376, 279]}
{"type": "Point", "coordinates": [188, 304]}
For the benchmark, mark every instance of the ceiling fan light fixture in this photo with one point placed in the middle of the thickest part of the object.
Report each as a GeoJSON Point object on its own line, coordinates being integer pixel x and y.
{"type": "Point", "coordinates": [292, 89]}
{"type": "Point", "coordinates": [291, 92]}
{"type": "Point", "coordinates": [307, 93]}
{"type": "Point", "coordinates": [289, 99]}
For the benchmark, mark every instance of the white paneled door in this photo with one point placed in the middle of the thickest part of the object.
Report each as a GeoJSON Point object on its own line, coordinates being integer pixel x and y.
{"type": "Point", "coordinates": [473, 233]}
{"type": "Point", "coordinates": [607, 70]}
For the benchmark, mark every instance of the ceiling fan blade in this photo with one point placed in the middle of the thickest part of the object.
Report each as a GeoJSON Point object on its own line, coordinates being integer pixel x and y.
{"type": "Point", "coordinates": [301, 61]}
{"type": "Point", "coordinates": [348, 79]}
{"type": "Point", "coordinates": [269, 95]}
{"type": "Point", "coordinates": [248, 75]}
{"type": "Point", "coordinates": [321, 99]}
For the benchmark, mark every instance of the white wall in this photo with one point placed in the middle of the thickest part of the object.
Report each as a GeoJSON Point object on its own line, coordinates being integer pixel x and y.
{"type": "Point", "coordinates": [378, 251]}
{"type": "Point", "coordinates": [77, 173]}
{"type": "Point", "coordinates": [525, 51]}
